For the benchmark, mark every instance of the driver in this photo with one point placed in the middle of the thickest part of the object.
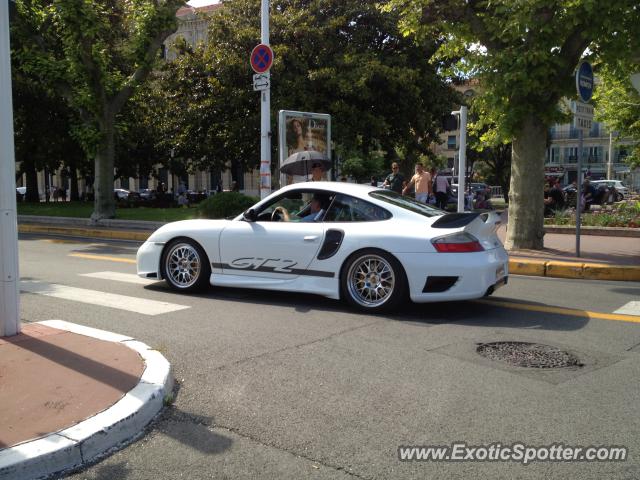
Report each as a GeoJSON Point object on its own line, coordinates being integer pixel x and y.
{"type": "Point", "coordinates": [315, 210]}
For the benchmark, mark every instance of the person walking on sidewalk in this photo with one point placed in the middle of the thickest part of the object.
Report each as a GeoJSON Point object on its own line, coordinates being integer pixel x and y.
{"type": "Point", "coordinates": [422, 182]}
{"type": "Point", "coordinates": [441, 186]}
{"type": "Point", "coordinates": [394, 179]}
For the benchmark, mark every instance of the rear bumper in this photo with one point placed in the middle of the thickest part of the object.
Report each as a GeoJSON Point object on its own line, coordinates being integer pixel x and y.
{"type": "Point", "coordinates": [478, 274]}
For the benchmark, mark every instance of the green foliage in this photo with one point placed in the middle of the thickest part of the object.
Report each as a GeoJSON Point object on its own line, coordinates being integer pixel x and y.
{"type": "Point", "coordinates": [346, 58]}
{"type": "Point", "coordinates": [618, 103]}
{"type": "Point", "coordinates": [624, 214]}
{"type": "Point", "coordinates": [524, 53]}
{"type": "Point", "coordinates": [362, 168]}
{"type": "Point", "coordinates": [94, 54]}
{"type": "Point", "coordinates": [225, 204]}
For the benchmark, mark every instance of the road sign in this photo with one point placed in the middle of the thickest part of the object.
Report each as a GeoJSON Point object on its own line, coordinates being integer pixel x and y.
{"type": "Point", "coordinates": [261, 58]}
{"type": "Point", "coordinates": [261, 81]}
{"type": "Point", "coordinates": [584, 81]}
{"type": "Point", "coordinates": [582, 116]}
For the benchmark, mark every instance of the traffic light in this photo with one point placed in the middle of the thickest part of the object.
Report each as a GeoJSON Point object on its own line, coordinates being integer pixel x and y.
{"type": "Point", "coordinates": [450, 123]}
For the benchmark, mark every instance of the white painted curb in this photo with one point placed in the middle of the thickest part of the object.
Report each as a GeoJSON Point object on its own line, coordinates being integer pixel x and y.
{"type": "Point", "coordinates": [74, 446]}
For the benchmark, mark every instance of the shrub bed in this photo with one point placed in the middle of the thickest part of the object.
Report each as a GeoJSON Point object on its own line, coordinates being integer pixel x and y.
{"type": "Point", "coordinates": [224, 205]}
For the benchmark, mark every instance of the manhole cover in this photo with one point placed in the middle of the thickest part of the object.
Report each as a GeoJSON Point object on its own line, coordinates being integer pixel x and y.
{"type": "Point", "coordinates": [525, 354]}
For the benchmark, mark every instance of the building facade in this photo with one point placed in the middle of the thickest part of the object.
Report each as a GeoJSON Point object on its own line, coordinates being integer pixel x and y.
{"type": "Point", "coordinates": [603, 152]}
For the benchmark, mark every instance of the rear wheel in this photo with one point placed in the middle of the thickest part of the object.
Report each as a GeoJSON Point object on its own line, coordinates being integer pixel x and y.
{"type": "Point", "coordinates": [185, 266]}
{"type": "Point", "coordinates": [373, 281]}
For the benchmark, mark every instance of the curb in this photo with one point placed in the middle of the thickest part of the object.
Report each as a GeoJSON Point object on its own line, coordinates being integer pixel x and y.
{"type": "Point", "coordinates": [85, 232]}
{"type": "Point", "coordinates": [79, 444]}
{"type": "Point", "coordinates": [573, 270]}
{"type": "Point", "coordinates": [600, 231]}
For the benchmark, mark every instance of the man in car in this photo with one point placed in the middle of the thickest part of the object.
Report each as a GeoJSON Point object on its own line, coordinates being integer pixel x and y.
{"type": "Point", "coordinates": [315, 210]}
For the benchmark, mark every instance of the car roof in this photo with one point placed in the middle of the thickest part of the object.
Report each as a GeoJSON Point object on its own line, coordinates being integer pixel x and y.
{"type": "Point", "coordinates": [338, 187]}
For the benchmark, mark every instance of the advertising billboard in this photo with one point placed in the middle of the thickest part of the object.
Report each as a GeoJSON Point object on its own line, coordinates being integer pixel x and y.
{"type": "Point", "coordinates": [303, 132]}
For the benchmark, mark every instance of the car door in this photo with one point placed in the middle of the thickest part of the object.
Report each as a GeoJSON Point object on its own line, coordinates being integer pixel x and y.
{"type": "Point", "coordinates": [281, 250]}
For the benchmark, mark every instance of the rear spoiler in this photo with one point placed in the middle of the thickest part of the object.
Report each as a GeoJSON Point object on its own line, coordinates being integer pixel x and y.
{"type": "Point", "coordinates": [455, 220]}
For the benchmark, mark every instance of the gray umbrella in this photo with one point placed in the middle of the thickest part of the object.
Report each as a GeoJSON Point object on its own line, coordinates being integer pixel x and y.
{"type": "Point", "coordinates": [300, 163]}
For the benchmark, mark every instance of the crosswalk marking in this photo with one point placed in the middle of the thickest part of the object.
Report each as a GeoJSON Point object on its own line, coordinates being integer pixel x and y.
{"type": "Point", "coordinates": [103, 299]}
{"type": "Point", "coordinates": [120, 277]}
{"type": "Point", "coordinates": [631, 308]}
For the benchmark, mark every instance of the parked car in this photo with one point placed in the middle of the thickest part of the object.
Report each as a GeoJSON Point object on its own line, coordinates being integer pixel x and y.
{"type": "Point", "coordinates": [121, 193]}
{"type": "Point", "coordinates": [617, 184]}
{"type": "Point", "coordinates": [20, 193]}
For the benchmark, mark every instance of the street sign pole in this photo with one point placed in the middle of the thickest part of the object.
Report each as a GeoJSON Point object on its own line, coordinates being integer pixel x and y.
{"type": "Point", "coordinates": [462, 157]}
{"type": "Point", "coordinates": [9, 297]}
{"type": "Point", "coordinates": [579, 192]}
{"type": "Point", "coordinates": [584, 88]}
{"type": "Point", "coordinates": [265, 115]}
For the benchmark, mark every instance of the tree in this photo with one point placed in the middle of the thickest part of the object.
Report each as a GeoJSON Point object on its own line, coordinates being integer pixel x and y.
{"type": "Point", "coordinates": [490, 154]}
{"type": "Point", "coordinates": [618, 103]}
{"type": "Point", "coordinates": [343, 57]}
{"type": "Point", "coordinates": [524, 54]}
{"type": "Point", "coordinates": [95, 54]}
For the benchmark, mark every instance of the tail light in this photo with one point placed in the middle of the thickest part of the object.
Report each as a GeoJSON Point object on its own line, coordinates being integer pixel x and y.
{"type": "Point", "coordinates": [457, 243]}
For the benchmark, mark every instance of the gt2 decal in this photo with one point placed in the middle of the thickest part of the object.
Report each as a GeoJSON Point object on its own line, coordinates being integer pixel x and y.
{"type": "Point", "coordinates": [270, 265]}
{"type": "Point", "coordinates": [264, 264]}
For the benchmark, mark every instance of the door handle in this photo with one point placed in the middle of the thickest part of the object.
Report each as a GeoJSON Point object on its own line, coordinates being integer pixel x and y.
{"type": "Point", "coordinates": [310, 238]}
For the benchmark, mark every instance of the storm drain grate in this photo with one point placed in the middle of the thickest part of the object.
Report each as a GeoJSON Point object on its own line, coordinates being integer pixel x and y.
{"type": "Point", "coordinates": [530, 355]}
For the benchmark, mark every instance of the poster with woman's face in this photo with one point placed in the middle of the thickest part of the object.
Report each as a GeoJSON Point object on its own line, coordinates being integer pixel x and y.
{"type": "Point", "coordinates": [303, 131]}
{"type": "Point", "coordinates": [306, 134]}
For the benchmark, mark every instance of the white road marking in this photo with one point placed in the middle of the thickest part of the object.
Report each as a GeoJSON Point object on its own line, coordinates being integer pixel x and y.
{"type": "Point", "coordinates": [631, 308]}
{"type": "Point", "coordinates": [120, 277]}
{"type": "Point", "coordinates": [103, 299]}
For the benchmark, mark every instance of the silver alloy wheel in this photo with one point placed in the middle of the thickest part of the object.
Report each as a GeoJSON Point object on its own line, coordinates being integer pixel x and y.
{"type": "Point", "coordinates": [183, 265]}
{"type": "Point", "coordinates": [370, 280]}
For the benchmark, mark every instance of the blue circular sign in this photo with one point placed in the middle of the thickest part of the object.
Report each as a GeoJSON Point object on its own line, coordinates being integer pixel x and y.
{"type": "Point", "coordinates": [584, 81]}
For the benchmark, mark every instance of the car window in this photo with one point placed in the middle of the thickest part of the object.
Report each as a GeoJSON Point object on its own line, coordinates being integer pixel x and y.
{"type": "Point", "coordinates": [407, 203]}
{"type": "Point", "coordinates": [345, 208]}
{"type": "Point", "coordinates": [293, 206]}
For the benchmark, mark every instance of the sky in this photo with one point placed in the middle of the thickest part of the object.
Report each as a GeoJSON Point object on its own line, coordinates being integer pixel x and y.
{"type": "Point", "coordinates": [201, 3]}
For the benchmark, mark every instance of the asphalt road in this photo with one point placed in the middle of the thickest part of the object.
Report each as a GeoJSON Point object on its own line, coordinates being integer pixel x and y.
{"type": "Point", "coordinates": [278, 385]}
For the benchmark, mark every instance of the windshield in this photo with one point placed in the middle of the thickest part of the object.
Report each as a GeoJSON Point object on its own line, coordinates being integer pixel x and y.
{"type": "Point", "coordinates": [407, 203]}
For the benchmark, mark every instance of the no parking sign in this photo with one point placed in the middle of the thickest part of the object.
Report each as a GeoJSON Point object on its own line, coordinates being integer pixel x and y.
{"type": "Point", "coordinates": [261, 58]}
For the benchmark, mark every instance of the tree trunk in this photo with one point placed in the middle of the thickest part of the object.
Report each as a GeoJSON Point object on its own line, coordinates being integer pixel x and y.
{"type": "Point", "coordinates": [525, 228]}
{"type": "Point", "coordinates": [104, 205]}
{"type": "Point", "coordinates": [74, 194]}
{"type": "Point", "coordinates": [33, 194]}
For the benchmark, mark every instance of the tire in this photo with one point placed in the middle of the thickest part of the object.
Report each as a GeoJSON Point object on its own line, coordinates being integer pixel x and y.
{"type": "Point", "coordinates": [373, 281]}
{"type": "Point", "coordinates": [185, 266]}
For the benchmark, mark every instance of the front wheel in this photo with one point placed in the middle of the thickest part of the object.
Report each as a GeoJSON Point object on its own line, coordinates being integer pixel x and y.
{"type": "Point", "coordinates": [373, 281]}
{"type": "Point", "coordinates": [185, 266]}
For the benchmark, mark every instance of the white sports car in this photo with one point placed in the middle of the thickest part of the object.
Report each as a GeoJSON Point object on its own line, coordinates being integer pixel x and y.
{"type": "Point", "coordinates": [369, 246]}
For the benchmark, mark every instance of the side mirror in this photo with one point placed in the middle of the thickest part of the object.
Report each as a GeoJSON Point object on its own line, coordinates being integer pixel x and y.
{"type": "Point", "coordinates": [250, 215]}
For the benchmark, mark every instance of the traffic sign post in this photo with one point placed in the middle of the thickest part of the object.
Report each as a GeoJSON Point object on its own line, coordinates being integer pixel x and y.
{"type": "Point", "coordinates": [584, 87]}
{"type": "Point", "coordinates": [261, 61]}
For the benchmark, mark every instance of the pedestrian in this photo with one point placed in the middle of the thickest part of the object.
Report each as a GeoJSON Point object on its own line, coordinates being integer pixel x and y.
{"type": "Point", "coordinates": [374, 181]}
{"type": "Point", "coordinates": [422, 184]}
{"type": "Point", "coordinates": [395, 179]}
{"type": "Point", "coordinates": [441, 187]}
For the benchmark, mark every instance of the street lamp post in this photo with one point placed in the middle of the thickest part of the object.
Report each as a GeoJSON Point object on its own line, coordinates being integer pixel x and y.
{"type": "Point", "coordinates": [9, 298]}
